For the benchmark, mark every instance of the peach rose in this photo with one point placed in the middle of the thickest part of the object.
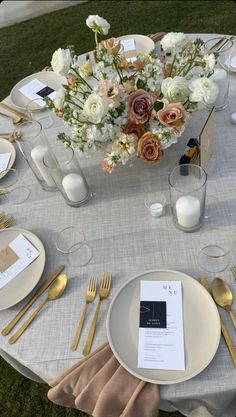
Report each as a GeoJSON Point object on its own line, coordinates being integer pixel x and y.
{"type": "Point", "coordinates": [172, 115]}
{"type": "Point", "coordinates": [132, 127]}
{"type": "Point", "coordinates": [107, 167]}
{"type": "Point", "coordinates": [140, 104]}
{"type": "Point", "coordinates": [149, 148]}
{"type": "Point", "coordinates": [112, 46]}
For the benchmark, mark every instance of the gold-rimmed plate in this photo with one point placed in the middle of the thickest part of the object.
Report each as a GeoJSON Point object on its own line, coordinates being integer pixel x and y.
{"type": "Point", "coordinates": [19, 287]}
{"type": "Point", "coordinates": [200, 319]}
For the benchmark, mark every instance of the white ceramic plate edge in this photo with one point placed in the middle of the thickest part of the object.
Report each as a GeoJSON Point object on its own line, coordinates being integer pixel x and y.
{"type": "Point", "coordinates": [162, 382]}
{"type": "Point", "coordinates": [13, 155]}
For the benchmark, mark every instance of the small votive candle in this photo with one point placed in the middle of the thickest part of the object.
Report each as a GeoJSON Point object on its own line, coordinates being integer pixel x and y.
{"type": "Point", "coordinates": [156, 209]}
{"type": "Point", "coordinates": [74, 187]}
{"type": "Point", "coordinates": [188, 211]}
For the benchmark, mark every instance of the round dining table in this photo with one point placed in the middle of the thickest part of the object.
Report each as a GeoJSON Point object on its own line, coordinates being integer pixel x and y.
{"type": "Point", "coordinates": [126, 240]}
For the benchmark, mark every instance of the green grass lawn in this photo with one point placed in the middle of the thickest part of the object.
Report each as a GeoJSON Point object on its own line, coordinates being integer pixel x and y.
{"type": "Point", "coordinates": [27, 47]}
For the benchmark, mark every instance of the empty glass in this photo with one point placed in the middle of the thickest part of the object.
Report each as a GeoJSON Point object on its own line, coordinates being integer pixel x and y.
{"type": "Point", "coordinates": [10, 190]}
{"type": "Point", "coordinates": [214, 249]}
{"type": "Point", "coordinates": [70, 241]}
{"type": "Point", "coordinates": [38, 111]}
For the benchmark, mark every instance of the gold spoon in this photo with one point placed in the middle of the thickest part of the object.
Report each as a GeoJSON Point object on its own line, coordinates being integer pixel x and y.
{"type": "Point", "coordinates": [17, 135]}
{"type": "Point", "coordinates": [56, 289]}
{"type": "Point", "coordinates": [14, 120]}
{"type": "Point", "coordinates": [223, 296]}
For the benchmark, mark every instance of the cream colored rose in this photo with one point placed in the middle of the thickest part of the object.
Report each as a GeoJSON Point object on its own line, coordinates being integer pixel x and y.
{"type": "Point", "coordinates": [95, 108]}
{"type": "Point", "coordinates": [61, 61]}
{"type": "Point", "coordinates": [175, 89]}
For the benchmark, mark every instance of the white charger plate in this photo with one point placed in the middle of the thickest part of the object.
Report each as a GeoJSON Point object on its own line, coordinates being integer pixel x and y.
{"type": "Point", "coordinates": [201, 327]}
{"type": "Point", "coordinates": [7, 147]}
{"type": "Point", "coordinates": [23, 283]}
{"type": "Point", "coordinates": [49, 78]}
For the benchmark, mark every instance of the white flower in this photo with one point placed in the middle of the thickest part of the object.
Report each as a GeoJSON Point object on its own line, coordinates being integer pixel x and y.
{"type": "Point", "coordinates": [98, 24]}
{"type": "Point", "coordinates": [61, 61]}
{"type": "Point", "coordinates": [209, 61]}
{"type": "Point", "coordinates": [60, 98]}
{"type": "Point", "coordinates": [95, 108]}
{"type": "Point", "coordinates": [175, 89]}
{"type": "Point", "coordinates": [125, 146]}
{"type": "Point", "coordinates": [173, 41]}
{"type": "Point", "coordinates": [203, 89]}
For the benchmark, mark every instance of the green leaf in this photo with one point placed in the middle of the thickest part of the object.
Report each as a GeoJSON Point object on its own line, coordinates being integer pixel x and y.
{"type": "Point", "coordinates": [140, 84]}
{"type": "Point", "coordinates": [158, 105]}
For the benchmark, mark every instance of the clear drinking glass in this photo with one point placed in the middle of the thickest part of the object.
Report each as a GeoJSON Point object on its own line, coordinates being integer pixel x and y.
{"type": "Point", "coordinates": [70, 241]}
{"type": "Point", "coordinates": [38, 111]}
{"type": "Point", "coordinates": [187, 195]}
{"type": "Point", "coordinates": [34, 147]}
{"type": "Point", "coordinates": [68, 176]}
{"type": "Point", "coordinates": [214, 249]}
{"type": "Point", "coordinates": [222, 48]}
{"type": "Point", "coordinates": [10, 190]}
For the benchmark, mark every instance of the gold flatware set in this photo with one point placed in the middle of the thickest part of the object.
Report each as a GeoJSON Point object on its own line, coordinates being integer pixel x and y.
{"type": "Point", "coordinates": [8, 222]}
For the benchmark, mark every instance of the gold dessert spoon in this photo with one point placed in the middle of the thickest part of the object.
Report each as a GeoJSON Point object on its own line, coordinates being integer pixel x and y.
{"type": "Point", "coordinates": [223, 296]}
{"type": "Point", "coordinates": [56, 289]}
{"type": "Point", "coordinates": [14, 120]}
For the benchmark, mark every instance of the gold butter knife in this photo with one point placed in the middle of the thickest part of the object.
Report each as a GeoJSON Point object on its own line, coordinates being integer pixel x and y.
{"type": "Point", "coordinates": [39, 291]}
{"type": "Point", "coordinates": [11, 110]}
{"type": "Point", "coordinates": [224, 331]}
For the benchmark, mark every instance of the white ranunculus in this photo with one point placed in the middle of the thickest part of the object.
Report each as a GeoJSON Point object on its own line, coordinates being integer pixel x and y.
{"type": "Point", "coordinates": [204, 90]}
{"type": "Point", "coordinates": [98, 24]}
{"type": "Point", "coordinates": [173, 41]}
{"type": "Point", "coordinates": [60, 98]}
{"type": "Point", "coordinates": [210, 62]}
{"type": "Point", "coordinates": [61, 61]}
{"type": "Point", "coordinates": [95, 108]}
{"type": "Point", "coordinates": [175, 89]}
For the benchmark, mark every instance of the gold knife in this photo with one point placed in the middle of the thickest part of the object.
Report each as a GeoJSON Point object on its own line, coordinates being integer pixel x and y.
{"type": "Point", "coordinates": [224, 331]}
{"type": "Point", "coordinates": [16, 112]}
{"type": "Point", "coordinates": [39, 291]}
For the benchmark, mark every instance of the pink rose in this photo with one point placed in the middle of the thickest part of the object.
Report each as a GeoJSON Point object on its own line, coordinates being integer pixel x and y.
{"type": "Point", "coordinates": [172, 115]}
{"type": "Point", "coordinates": [140, 104]}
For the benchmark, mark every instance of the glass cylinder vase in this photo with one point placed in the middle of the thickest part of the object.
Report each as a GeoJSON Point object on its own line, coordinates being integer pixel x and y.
{"type": "Point", "coordinates": [187, 194]}
{"type": "Point", "coordinates": [34, 146]}
{"type": "Point", "coordinates": [68, 176]}
{"type": "Point", "coordinates": [222, 49]}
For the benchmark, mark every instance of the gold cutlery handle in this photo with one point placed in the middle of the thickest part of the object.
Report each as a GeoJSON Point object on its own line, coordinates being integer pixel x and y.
{"type": "Point", "coordinates": [232, 316]}
{"type": "Point", "coordinates": [76, 339]}
{"type": "Point", "coordinates": [39, 291]}
{"type": "Point", "coordinates": [88, 343]}
{"type": "Point", "coordinates": [11, 110]}
{"type": "Point", "coordinates": [224, 330]}
{"type": "Point", "coordinates": [6, 116]}
{"type": "Point", "coordinates": [24, 326]}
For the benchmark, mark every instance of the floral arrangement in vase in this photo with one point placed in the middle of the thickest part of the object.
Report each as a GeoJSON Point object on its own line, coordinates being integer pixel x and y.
{"type": "Point", "coordinates": [131, 108]}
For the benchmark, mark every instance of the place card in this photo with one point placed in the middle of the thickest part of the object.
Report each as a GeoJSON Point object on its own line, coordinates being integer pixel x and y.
{"type": "Point", "coordinates": [4, 161]}
{"type": "Point", "coordinates": [161, 336]}
{"type": "Point", "coordinates": [36, 89]}
{"type": "Point", "coordinates": [129, 49]}
{"type": "Point", "coordinates": [15, 257]}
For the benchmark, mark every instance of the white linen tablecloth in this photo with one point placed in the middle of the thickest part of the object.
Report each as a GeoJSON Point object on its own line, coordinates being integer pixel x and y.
{"type": "Point", "coordinates": [126, 240]}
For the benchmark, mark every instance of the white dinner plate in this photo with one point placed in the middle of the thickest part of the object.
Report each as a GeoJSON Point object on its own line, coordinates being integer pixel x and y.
{"type": "Point", "coordinates": [7, 147]}
{"type": "Point", "coordinates": [49, 78]}
{"type": "Point", "coordinates": [201, 327]}
{"type": "Point", "coordinates": [143, 44]}
{"type": "Point", "coordinates": [23, 283]}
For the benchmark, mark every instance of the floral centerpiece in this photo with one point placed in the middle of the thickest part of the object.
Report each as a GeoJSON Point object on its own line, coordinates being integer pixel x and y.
{"type": "Point", "coordinates": [129, 108]}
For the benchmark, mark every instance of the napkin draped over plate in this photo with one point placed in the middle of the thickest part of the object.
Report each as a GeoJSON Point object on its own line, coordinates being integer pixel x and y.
{"type": "Point", "coordinates": [100, 386]}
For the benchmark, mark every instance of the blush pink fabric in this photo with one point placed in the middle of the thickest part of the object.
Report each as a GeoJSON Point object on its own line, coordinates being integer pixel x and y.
{"type": "Point", "coordinates": [101, 387]}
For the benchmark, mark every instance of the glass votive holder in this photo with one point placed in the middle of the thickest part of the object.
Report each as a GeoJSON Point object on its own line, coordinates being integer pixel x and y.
{"type": "Point", "coordinates": [34, 147]}
{"type": "Point", "coordinates": [222, 49]}
{"type": "Point", "coordinates": [187, 196]}
{"type": "Point", "coordinates": [155, 204]}
{"type": "Point", "coordinates": [214, 249]}
{"type": "Point", "coordinates": [68, 176]}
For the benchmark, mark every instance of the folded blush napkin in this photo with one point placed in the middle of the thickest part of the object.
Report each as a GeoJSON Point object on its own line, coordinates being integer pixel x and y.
{"type": "Point", "coordinates": [101, 387]}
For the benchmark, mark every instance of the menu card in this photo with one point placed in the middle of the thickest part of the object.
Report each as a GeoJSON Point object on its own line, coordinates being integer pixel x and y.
{"type": "Point", "coordinates": [161, 337]}
{"type": "Point", "coordinates": [36, 89]}
{"type": "Point", "coordinates": [4, 161]}
{"type": "Point", "coordinates": [15, 257]}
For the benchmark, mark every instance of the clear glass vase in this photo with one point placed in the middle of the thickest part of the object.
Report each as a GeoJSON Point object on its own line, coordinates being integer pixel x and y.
{"type": "Point", "coordinates": [222, 49]}
{"type": "Point", "coordinates": [68, 176]}
{"type": "Point", "coordinates": [34, 147]}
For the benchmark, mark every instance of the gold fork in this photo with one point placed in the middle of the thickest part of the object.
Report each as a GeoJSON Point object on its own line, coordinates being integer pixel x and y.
{"type": "Point", "coordinates": [233, 270]}
{"type": "Point", "coordinates": [104, 290]}
{"type": "Point", "coordinates": [7, 223]}
{"type": "Point", "coordinates": [90, 296]}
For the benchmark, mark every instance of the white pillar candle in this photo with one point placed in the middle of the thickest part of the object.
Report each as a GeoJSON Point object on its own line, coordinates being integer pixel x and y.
{"type": "Point", "coordinates": [74, 187]}
{"type": "Point", "coordinates": [220, 77]}
{"type": "Point", "coordinates": [188, 211]}
{"type": "Point", "coordinates": [156, 209]}
{"type": "Point", "coordinates": [38, 154]}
